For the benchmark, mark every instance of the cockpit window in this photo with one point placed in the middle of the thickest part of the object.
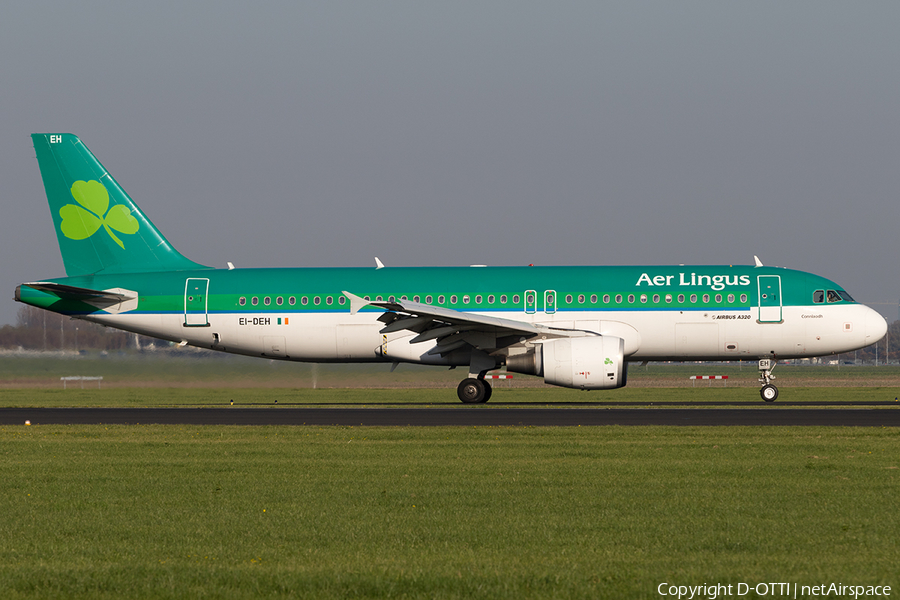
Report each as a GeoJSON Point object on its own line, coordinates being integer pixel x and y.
{"type": "Point", "coordinates": [833, 296]}
{"type": "Point", "coordinates": [845, 296]}
{"type": "Point", "coordinates": [818, 296]}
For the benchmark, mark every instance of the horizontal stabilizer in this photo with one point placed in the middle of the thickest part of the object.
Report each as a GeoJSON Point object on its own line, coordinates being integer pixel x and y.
{"type": "Point", "coordinates": [112, 301]}
{"type": "Point", "coordinates": [69, 292]}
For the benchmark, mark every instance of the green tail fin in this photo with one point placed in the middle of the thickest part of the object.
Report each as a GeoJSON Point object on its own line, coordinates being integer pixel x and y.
{"type": "Point", "coordinates": [99, 227]}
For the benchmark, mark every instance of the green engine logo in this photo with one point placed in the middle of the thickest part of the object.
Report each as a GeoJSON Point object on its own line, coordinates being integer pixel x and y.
{"type": "Point", "coordinates": [81, 222]}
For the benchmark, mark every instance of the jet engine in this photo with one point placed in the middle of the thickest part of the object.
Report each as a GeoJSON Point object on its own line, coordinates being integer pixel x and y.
{"type": "Point", "coordinates": [587, 363]}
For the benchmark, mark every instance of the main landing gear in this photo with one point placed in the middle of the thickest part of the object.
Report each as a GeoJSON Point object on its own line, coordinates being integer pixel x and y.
{"type": "Point", "coordinates": [474, 391]}
{"type": "Point", "coordinates": [768, 392]}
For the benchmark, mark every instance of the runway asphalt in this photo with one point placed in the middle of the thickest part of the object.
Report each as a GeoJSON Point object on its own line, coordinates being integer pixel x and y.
{"type": "Point", "coordinates": [461, 416]}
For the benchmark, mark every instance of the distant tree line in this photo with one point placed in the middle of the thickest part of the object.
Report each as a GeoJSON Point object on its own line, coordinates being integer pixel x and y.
{"type": "Point", "coordinates": [38, 329]}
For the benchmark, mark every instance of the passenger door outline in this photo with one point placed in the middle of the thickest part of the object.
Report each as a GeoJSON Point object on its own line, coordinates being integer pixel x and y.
{"type": "Point", "coordinates": [769, 296]}
{"type": "Point", "coordinates": [196, 302]}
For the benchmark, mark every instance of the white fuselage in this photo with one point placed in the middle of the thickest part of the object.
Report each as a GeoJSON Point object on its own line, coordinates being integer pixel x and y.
{"type": "Point", "coordinates": [805, 331]}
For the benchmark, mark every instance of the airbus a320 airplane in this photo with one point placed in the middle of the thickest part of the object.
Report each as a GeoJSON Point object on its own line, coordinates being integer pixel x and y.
{"type": "Point", "coordinates": [576, 327]}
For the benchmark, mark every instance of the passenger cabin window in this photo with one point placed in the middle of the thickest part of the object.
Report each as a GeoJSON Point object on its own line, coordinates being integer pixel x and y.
{"type": "Point", "coordinates": [292, 301]}
{"type": "Point", "coordinates": [267, 301]}
{"type": "Point", "coordinates": [254, 300]}
{"type": "Point", "coordinates": [416, 298]}
{"type": "Point", "coordinates": [441, 299]}
{"type": "Point", "coordinates": [316, 300]}
{"type": "Point", "coordinates": [618, 298]}
{"type": "Point", "coordinates": [304, 300]}
{"type": "Point", "coordinates": [581, 298]}
{"type": "Point", "coordinates": [279, 300]}
{"type": "Point", "coordinates": [502, 298]}
{"type": "Point", "coordinates": [818, 296]}
{"type": "Point", "coordinates": [490, 299]}
{"type": "Point", "coordinates": [730, 298]}
{"type": "Point", "coordinates": [718, 297]}
{"type": "Point", "coordinates": [705, 298]}
{"type": "Point", "coordinates": [465, 298]}
{"type": "Point", "coordinates": [329, 300]}
{"type": "Point", "coordinates": [453, 299]}
{"type": "Point", "coordinates": [643, 298]}
{"type": "Point", "coordinates": [680, 298]}
{"type": "Point", "coordinates": [668, 298]}
{"type": "Point", "coordinates": [242, 301]}
{"type": "Point", "coordinates": [743, 297]}
{"type": "Point", "coordinates": [341, 299]}
{"type": "Point", "coordinates": [605, 298]}
{"type": "Point", "coordinates": [693, 298]}
{"type": "Point", "coordinates": [515, 298]}
{"type": "Point", "coordinates": [428, 299]}
{"type": "Point", "coordinates": [655, 298]}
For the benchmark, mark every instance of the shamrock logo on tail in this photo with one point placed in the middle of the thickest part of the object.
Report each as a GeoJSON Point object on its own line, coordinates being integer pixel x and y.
{"type": "Point", "coordinates": [81, 223]}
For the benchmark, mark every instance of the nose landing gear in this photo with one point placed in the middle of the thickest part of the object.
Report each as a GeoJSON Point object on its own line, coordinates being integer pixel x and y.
{"type": "Point", "coordinates": [768, 392]}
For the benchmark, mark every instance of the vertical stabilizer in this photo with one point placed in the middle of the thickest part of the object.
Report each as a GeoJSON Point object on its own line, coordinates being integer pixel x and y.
{"type": "Point", "coordinates": [99, 227]}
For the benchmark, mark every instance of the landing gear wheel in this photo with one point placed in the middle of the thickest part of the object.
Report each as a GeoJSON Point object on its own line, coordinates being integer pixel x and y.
{"type": "Point", "coordinates": [488, 390]}
{"type": "Point", "coordinates": [769, 392]}
{"type": "Point", "coordinates": [473, 391]}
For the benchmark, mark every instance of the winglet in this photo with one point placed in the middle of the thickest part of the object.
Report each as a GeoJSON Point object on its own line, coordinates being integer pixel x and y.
{"type": "Point", "coordinates": [378, 264]}
{"type": "Point", "coordinates": [758, 262]}
{"type": "Point", "coordinates": [356, 303]}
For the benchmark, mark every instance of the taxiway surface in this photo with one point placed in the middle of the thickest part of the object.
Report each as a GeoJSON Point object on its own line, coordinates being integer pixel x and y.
{"type": "Point", "coordinates": [460, 416]}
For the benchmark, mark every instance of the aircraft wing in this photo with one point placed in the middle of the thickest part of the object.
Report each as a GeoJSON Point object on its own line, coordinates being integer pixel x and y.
{"type": "Point", "coordinates": [453, 329]}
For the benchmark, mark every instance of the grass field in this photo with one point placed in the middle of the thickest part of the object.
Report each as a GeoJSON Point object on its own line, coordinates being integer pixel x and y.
{"type": "Point", "coordinates": [608, 512]}
{"type": "Point", "coordinates": [331, 512]}
{"type": "Point", "coordinates": [191, 369]}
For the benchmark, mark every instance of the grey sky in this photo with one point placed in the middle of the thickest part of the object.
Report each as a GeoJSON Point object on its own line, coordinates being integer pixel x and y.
{"type": "Point", "coordinates": [323, 134]}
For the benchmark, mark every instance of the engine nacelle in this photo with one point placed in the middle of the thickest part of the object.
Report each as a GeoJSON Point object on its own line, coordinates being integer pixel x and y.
{"type": "Point", "coordinates": [587, 363]}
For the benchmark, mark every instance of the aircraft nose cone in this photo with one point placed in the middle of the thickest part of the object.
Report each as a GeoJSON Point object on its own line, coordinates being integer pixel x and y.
{"type": "Point", "coordinates": [876, 326]}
